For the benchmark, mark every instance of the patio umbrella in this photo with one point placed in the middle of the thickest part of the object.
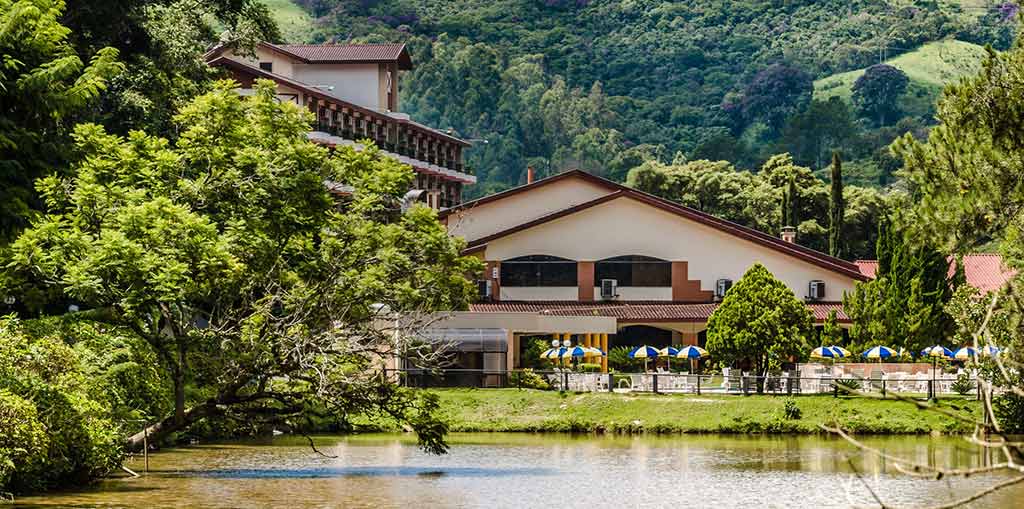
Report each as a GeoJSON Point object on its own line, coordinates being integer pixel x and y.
{"type": "Point", "coordinates": [691, 352]}
{"type": "Point", "coordinates": [644, 352]}
{"type": "Point", "coordinates": [668, 352]}
{"type": "Point", "coordinates": [965, 353]}
{"type": "Point", "coordinates": [827, 352]}
{"type": "Point", "coordinates": [879, 352]}
{"type": "Point", "coordinates": [935, 352]}
{"type": "Point", "coordinates": [990, 350]}
{"type": "Point", "coordinates": [553, 353]}
{"type": "Point", "coordinates": [844, 352]}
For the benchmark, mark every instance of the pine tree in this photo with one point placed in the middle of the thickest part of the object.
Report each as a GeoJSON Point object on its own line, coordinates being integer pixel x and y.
{"type": "Point", "coordinates": [837, 208]}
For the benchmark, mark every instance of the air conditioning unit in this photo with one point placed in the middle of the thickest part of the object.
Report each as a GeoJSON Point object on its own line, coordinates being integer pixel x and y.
{"type": "Point", "coordinates": [816, 290]}
{"type": "Point", "coordinates": [722, 286]}
{"type": "Point", "coordinates": [609, 288]}
{"type": "Point", "coordinates": [485, 288]}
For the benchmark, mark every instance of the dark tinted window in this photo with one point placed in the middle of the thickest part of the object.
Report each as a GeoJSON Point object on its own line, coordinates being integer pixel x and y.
{"type": "Point", "coordinates": [267, 66]}
{"type": "Point", "coordinates": [538, 270]}
{"type": "Point", "coordinates": [634, 270]}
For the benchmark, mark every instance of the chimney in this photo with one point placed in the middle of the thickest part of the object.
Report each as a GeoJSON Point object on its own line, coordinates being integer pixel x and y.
{"type": "Point", "coordinates": [788, 234]}
{"type": "Point", "coordinates": [529, 174]}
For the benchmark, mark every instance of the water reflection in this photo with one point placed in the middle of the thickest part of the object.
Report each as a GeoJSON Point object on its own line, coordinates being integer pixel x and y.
{"type": "Point", "coordinates": [521, 470]}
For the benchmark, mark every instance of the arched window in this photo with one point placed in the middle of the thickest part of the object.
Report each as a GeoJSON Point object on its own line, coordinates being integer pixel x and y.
{"type": "Point", "coordinates": [538, 270]}
{"type": "Point", "coordinates": [634, 270]}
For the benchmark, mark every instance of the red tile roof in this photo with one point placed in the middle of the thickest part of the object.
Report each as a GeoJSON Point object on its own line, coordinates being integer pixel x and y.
{"type": "Point", "coordinates": [983, 271]}
{"type": "Point", "coordinates": [635, 311]}
{"type": "Point", "coordinates": [350, 53]}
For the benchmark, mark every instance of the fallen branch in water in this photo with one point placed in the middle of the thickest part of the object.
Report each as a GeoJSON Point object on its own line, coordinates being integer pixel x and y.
{"type": "Point", "coordinates": [313, 446]}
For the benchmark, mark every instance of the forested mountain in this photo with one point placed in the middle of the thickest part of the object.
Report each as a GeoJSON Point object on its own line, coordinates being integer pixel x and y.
{"type": "Point", "coordinates": [605, 84]}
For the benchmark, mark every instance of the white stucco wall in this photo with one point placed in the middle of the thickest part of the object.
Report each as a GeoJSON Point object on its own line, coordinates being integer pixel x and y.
{"type": "Point", "coordinates": [479, 221]}
{"type": "Point", "coordinates": [539, 293]}
{"type": "Point", "coordinates": [627, 227]}
{"type": "Point", "coordinates": [282, 65]}
{"type": "Point", "coordinates": [640, 292]}
{"type": "Point", "coordinates": [355, 83]}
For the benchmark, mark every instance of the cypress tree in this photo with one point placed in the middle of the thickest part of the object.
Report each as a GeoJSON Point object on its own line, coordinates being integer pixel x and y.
{"type": "Point", "coordinates": [790, 216]}
{"type": "Point", "coordinates": [837, 208]}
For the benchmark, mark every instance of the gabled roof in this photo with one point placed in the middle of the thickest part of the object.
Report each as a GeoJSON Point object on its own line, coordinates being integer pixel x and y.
{"type": "Point", "coordinates": [351, 53]}
{"type": "Point", "coordinates": [618, 191]}
{"type": "Point", "coordinates": [333, 53]}
{"type": "Point", "coordinates": [636, 311]}
{"type": "Point", "coordinates": [984, 271]}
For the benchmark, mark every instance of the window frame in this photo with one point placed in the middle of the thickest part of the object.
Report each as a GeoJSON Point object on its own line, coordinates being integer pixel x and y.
{"type": "Point", "coordinates": [539, 271]}
{"type": "Point", "coordinates": [625, 269]}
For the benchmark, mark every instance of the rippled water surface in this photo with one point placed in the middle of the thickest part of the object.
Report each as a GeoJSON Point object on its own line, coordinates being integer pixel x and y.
{"type": "Point", "coordinates": [546, 471]}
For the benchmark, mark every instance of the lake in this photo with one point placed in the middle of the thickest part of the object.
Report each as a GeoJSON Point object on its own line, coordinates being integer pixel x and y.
{"type": "Point", "coordinates": [538, 470]}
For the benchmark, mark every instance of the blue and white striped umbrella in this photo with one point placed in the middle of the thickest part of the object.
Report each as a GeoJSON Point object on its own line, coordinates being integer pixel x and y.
{"type": "Point", "coordinates": [937, 351]}
{"type": "Point", "coordinates": [965, 353]}
{"type": "Point", "coordinates": [668, 351]}
{"type": "Point", "coordinates": [594, 351]}
{"type": "Point", "coordinates": [990, 350]}
{"type": "Point", "coordinates": [879, 352]}
{"type": "Point", "coordinates": [553, 353]}
{"type": "Point", "coordinates": [643, 352]}
{"type": "Point", "coordinates": [840, 350]}
{"type": "Point", "coordinates": [691, 352]}
{"type": "Point", "coordinates": [574, 351]}
{"type": "Point", "coordinates": [827, 352]}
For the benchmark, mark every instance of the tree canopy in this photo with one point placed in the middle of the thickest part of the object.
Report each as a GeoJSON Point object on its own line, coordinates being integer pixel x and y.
{"type": "Point", "coordinates": [760, 320]}
{"type": "Point", "coordinates": [44, 85]}
{"type": "Point", "coordinates": [262, 296]}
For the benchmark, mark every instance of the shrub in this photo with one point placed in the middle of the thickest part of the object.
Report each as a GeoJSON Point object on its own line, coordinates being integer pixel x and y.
{"type": "Point", "coordinates": [963, 385]}
{"type": "Point", "coordinates": [619, 360]}
{"type": "Point", "coordinates": [587, 367]}
{"type": "Point", "coordinates": [791, 411]}
{"type": "Point", "coordinates": [848, 384]}
{"type": "Point", "coordinates": [56, 417]}
{"type": "Point", "coordinates": [527, 379]}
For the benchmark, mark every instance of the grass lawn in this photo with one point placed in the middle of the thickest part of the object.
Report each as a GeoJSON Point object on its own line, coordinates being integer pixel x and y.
{"type": "Point", "coordinates": [537, 411]}
{"type": "Point", "coordinates": [929, 69]}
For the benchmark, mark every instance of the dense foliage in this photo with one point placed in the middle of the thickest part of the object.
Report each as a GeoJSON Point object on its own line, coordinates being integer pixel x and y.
{"type": "Point", "coordinates": [760, 321]}
{"type": "Point", "coordinates": [223, 250]}
{"type": "Point", "coordinates": [43, 85]}
{"type": "Point", "coordinates": [707, 78]}
{"type": "Point", "coordinates": [767, 199]}
{"type": "Point", "coordinates": [69, 390]}
{"type": "Point", "coordinates": [904, 305]}
{"type": "Point", "coordinates": [967, 178]}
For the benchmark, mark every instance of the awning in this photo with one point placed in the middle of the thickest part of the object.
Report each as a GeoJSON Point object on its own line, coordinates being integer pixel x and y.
{"type": "Point", "coordinates": [470, 340]}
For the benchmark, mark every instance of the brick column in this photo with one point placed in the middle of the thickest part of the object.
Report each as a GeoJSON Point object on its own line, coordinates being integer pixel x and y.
{"type": "Point", "coordinates": [489, 271]}
{"type": "Point", "coordinates": [585, 280]}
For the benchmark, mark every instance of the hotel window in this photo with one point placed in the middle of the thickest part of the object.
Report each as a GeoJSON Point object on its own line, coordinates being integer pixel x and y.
{"type": "Point", "coordinates": [634, 270]}
{"type": "Point", "coordinates": [538, 270]}
{"type": "Point", "coordinates": [267, 66]}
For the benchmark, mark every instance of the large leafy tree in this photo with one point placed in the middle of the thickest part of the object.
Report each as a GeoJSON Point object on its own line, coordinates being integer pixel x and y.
{"type": "Point", "coordinates": [876, 93]}
{"type": "Point", "coordinates": [776, 93]}
{"type": "Point", "coordinates": [760, 321]}
{"type": "Point", "coordinates": [43, 85]}
{"type": "Point", "coordinates": [264, 298]}
{"type": "Point", "coordinates": [161, 43]}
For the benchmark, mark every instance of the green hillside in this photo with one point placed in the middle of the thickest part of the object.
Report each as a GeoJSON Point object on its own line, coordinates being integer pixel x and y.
{"type": "Point", "coordinates": [607, 84]}
{"type": "Point", "coordinates": [929, 68]}
{"type": "Point", "coordinates": [296, 23]}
